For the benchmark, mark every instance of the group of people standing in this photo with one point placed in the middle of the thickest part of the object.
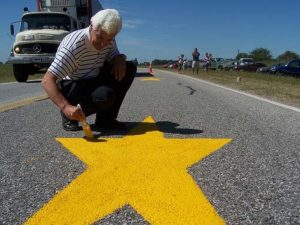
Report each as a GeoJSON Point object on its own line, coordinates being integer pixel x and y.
{"type": "Point", "coordinates": [182, 63]}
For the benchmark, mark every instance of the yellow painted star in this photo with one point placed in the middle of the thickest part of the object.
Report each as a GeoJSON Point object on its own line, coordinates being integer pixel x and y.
{"type": "Point", "coordinates": [150, 79]}
{"type": "Point", "coordinates": [144, 170]}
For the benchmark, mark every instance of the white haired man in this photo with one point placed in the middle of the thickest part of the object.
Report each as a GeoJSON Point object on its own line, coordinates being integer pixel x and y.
{"type": "Point", "coordinates": [89, 70]}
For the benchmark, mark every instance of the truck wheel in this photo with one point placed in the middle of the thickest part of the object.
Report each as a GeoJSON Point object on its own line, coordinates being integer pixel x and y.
{"type": "Point", "coordinates": [20, 72]}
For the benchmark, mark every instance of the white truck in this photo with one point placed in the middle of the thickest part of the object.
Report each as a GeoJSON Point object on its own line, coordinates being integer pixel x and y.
{"type": "Point", "coordinates": [42, 31]}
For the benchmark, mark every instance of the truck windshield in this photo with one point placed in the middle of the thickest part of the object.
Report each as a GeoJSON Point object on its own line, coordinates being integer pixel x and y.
{"type": "Point", "coordinates": [45, 21]}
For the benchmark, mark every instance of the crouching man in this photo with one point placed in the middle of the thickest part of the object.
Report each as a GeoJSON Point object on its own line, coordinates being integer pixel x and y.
{"type": "Point", "coordinates": [89, 70]}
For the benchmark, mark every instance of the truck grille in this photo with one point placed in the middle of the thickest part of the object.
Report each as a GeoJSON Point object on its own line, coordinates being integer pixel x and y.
{"type": "Point", "coordinates": [61, 2]}
{"type": "Point", "coordinates": [44, 4]}
{"type": "Point", "coordinates": [38, 48]}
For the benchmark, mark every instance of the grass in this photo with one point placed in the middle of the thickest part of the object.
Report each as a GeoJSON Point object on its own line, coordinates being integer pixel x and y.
{"type": "Point", "coordinates": [6, 74]}
{"type": "Point", "coordinates": [284, 89]}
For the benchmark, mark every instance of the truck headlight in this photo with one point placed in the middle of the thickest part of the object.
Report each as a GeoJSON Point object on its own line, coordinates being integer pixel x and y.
{"type": "Point", "coordinates": [17, 49]}
{"type": "Point", "coordinates": [29, 37]}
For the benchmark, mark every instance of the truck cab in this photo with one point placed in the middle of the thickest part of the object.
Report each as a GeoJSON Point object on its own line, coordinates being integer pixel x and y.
{"type": "Point", "coordinates": [37, 42]}
{"type": "Point", "coordinates": [42, 31]}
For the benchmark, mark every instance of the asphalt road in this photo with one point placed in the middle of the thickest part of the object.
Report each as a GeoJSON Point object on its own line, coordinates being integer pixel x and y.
{"type": "Point", "coordinates": [14, 91]}
{"type": "Point", "coordinates": [255, 179]}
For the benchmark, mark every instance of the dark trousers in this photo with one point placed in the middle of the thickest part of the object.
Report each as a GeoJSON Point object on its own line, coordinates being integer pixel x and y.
{"type": "Point", "coordinates": [102, 95]}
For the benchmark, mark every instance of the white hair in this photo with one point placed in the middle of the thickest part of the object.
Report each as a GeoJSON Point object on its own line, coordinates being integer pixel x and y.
{"type": "Point", "coordinates": [108, 20]}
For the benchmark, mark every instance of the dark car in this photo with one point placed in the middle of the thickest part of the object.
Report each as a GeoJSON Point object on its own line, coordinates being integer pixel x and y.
{"type": "Point", "coordinates": [292, 68]}
{"type": "Point", "coordinates": [267, 69]}
{"type": "Point", "coordinates": [170, 65]}
{"type": "Point", "coordinates": [249, 67]}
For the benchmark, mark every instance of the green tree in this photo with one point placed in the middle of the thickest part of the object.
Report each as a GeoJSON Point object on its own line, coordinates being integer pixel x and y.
{"type": "Point", "coordinates": [261, 54]}
{"type": "Point", "coordinates": [288, 55]}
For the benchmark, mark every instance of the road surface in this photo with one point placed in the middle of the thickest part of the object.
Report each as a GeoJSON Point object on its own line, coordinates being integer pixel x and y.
{"type": "Point", "coordinates": [252, 179]}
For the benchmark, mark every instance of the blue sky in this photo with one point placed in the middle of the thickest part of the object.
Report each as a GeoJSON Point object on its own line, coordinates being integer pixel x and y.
{"type": "Point", "coordinates": [164, 29]}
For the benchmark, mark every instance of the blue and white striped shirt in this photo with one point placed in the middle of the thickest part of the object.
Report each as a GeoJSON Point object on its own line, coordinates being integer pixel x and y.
{"type": "Point", "coordinates": [76, 57]}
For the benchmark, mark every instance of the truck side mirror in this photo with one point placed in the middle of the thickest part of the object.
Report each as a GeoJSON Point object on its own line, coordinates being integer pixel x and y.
{"type": "Point", "coordinates": [12, 30]}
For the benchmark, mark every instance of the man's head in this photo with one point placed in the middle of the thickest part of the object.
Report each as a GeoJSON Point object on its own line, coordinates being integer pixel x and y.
{"type": "Point", "coordinates": [105, 25]}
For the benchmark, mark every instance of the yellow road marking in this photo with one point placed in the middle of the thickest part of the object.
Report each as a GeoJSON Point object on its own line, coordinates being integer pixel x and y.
{"type": "Point", "coordinates": [20, 103]}
{"type": "Point", "coordinates": [150, 79]}
{"type": "Point", "coordinates": [144, 170]}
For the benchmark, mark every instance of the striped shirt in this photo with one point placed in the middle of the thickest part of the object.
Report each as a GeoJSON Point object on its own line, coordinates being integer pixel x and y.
{"type": "Point", "coordinates": [76, 57]}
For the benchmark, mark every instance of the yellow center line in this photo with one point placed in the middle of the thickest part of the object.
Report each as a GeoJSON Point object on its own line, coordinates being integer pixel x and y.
{"type": "Point", "coordinates": [20, 103]}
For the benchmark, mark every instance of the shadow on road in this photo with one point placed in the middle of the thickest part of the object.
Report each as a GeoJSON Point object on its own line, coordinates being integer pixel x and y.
{"type": "Point", "coordinates": [143, 74]}
{"type": "Point", "coordinates": [138, 128]}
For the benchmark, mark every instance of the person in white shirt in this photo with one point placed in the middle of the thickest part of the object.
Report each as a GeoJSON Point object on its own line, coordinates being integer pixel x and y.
{"type": "Point", "coordinates": [89, 70]}
{"type": "Point", "coordinates": [180, 62]}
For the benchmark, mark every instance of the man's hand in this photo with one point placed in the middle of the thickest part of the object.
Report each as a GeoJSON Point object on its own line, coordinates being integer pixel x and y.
{"type": "Point", "coordinates": [119, 67]}
{"type": "Point", "coordinates": [49, 85]}
{"type": "Point", "coordinates": [73, 112]}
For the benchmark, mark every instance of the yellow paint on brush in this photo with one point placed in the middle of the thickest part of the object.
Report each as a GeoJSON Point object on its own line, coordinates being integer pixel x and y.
{"type": "Point", "coordinates": [144, 170]}
{"type": "Point", "coordinates": [150, 79]}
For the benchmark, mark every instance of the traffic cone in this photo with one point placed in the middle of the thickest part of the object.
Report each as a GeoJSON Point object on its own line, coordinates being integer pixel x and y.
{"type": "Point", "coordinates": [150, 68]}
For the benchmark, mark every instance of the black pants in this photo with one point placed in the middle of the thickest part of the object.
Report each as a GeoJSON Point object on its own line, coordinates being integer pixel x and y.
{"type": "Point", "coordinates": [102, 95]}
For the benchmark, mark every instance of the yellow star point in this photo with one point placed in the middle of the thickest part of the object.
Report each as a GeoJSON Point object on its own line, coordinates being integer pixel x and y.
{"type": "Point", "coordinates": [150, 79]}
{"type": "Point", "coordinates": [144, 170]}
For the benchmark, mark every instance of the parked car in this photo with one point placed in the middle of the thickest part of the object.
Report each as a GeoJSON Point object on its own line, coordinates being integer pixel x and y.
{"type": "Point", "coordinates": [170, 65]}
{"type": "Point", "coordinates": [292, 68]}
{"type": "Point", "coordinates": [249, 66]}
{"type": "Point", "coordinates": [244, 61]}
{"type": "Point", "coordinates": [227, 64]}
{"type": "Point", "coordinates": [215, 63]}
{"type": "Point", "coordinates": [267, 69]}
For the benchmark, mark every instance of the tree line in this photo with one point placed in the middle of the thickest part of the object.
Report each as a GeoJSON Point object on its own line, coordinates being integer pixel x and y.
{"type": "Point", "coordinates": [263, 54]}
{"type": "Point", "coordinates": [258, 54]}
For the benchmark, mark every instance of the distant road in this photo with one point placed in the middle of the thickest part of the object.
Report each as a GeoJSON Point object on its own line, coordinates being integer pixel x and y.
{"type": "Point", "coordinates": [12, 92]}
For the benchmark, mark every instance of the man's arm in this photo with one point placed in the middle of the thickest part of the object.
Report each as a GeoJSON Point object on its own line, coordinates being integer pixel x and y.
{"type": "Point", "coordinates": [119, 66]}
{"type": "Point", "coordinates": [50, 86]}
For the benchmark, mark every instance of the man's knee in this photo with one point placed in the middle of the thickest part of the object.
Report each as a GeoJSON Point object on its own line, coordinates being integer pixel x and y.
{"type": "Point", "coordinates": [103, 97]}
{"type": "Point", "coordinates": [130, 69]}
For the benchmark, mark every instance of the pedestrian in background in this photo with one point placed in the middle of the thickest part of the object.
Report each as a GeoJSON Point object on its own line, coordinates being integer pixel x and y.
{"type": "Point", "coordinates": [195, 63]}
{"type": "Point", "coordinates": [180, 62]}
{"type": "Point", "coordinates": [207, 61]}
{"type": "Point", "coordinates": [185, 64]}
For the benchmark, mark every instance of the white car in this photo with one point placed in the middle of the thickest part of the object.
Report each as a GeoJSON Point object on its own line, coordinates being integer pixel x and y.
{"type": "Point", "coordinates": [244, 61]}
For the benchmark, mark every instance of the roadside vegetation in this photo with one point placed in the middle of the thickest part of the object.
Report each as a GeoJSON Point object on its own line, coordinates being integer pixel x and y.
{"type": "Point", "coordinates": [6, 74]}
{"type": "Point", "coordinates": [284, 89]}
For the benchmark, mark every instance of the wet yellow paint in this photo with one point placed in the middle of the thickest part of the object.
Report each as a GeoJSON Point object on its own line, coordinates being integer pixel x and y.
{"type": "Point", "coordinates": [144, 170]}
{"type": "Point", "coordinates": [150, 79]}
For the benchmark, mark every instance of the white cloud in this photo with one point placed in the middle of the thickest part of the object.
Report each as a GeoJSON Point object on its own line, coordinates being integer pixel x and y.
{"type": "Point", "coordinates": [131, 24]}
